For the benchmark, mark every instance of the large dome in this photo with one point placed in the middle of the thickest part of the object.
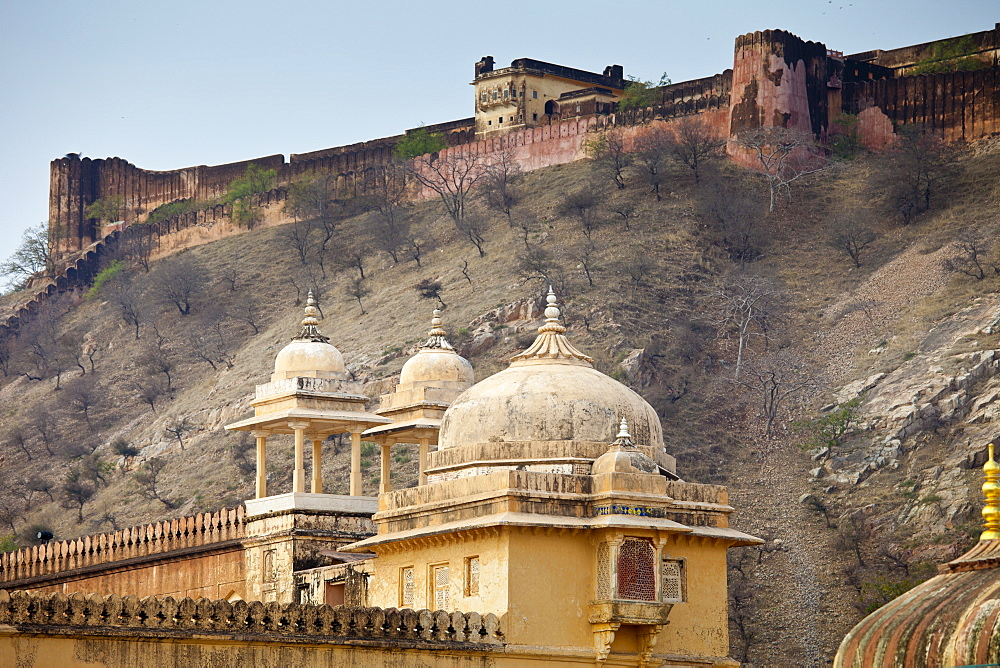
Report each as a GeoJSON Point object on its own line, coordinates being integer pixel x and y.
{"type": "Point", "coordinates": [310, 354]}
{"type": "Point", "coordinates": [550, 392]}
{"type": "Point", "coordinates": [436, 362]}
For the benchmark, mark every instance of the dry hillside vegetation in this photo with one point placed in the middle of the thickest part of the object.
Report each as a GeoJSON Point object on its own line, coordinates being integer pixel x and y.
{"type": "Point", "coordinates": [739, 326]}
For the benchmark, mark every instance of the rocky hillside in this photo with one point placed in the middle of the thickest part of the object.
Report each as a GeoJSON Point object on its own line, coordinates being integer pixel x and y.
{"type": "Point", "coordinates": [859, 476]}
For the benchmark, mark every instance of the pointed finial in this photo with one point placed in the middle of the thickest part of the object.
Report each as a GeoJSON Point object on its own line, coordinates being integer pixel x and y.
{"type": "Point", "coordinates": [624, 439]}
{"type": "Point", "coordinates": [436, 335]}
{"type": "Point", "coordinates": [310, 323]}
{"type": "Point", "coordinates": [551, 342]}
{"type": "Point", "coordinates": [991, 490]}
{"type": "Point", "coordinates": [552, 313]}
{"type": "Point", "coordinates": [436, 329]}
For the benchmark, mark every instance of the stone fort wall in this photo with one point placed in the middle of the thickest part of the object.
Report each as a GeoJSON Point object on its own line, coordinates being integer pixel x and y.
{"type": "Point", "coordinates": [777, 79]}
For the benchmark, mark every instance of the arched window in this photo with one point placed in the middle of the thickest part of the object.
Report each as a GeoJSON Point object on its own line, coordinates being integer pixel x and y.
{"type": "Point", "coordinates": [551, 107]}
{"type": "Point", "coordinates": [636, 570]}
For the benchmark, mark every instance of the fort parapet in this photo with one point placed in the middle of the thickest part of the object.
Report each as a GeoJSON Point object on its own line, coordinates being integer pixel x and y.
{"type": "Point", "coordinates": [67, 563]}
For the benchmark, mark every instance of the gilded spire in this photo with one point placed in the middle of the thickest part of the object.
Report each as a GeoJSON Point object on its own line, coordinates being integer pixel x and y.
{"type": "Point", "coordinates": [991, 490]}
{"type": "Point", "coordinates": [436, 338]}
{"type": "Point", "coordinates": [551, 342]}
{"type": "Point", "coordinates": [310, 323]}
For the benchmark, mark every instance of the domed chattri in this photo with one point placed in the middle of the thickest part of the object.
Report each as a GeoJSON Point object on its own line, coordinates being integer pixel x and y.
{"type": "Point", "coordinates": [549, 404]}
{"type": "Point", "coordinates": [310, 354]}
{"type": "Point", "coordinates": [436, 364]}
{"type": "Point", "coordinates": [624, 457]}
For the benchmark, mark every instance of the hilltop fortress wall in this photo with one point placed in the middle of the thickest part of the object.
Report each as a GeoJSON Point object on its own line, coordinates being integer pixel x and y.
{"type": "Point", "coordinates": [777, 79]}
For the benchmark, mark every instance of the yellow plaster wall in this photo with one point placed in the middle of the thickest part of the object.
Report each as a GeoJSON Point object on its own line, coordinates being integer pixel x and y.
{"type": "Point", "coordinates": [549, 87]}
{"type": "Point", "coordinates": [700, 625]}
{"type": "Point", "coordinates": [491, 548]}
{"type": "Point", "coordinates": [211, 576]}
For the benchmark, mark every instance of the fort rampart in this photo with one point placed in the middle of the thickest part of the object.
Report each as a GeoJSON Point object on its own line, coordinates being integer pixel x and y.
{"type": "Point", "coordinates": [777, 79]}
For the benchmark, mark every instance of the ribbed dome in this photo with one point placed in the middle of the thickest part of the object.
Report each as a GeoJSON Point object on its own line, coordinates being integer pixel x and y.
{"type": "Point", "coordinates": [550, 392]}
{"type": "Point", "coordinates": [310, 354]}
{"type": "Point", "coordinates": [437, 362]}
{"type": "Point", "coordinates": [953, 619]}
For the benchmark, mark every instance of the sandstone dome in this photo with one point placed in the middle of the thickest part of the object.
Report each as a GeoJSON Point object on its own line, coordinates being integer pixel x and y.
{"type": "Point", "coordinates": [550, 392]}
{"type": "Point", "coordinates": [436, 362]}
{"type": "Point", "coordinates": [310, 354]}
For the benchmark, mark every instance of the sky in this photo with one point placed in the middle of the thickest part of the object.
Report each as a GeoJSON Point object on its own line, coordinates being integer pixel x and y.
{"type": "Point", "coordinates": [172, 85]}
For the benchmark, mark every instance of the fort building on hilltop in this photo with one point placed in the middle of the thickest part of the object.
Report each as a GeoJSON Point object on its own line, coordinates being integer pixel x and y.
{"type": "Point", "coordinates": [542, 112]}
{"type": "Point", "coordinates": [532, 92]}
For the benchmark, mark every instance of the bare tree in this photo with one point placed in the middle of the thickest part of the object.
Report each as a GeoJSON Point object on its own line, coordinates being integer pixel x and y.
{"type": "Point", "coordinates": [474, 227]}
{"type": "Point", "coordinates": [693, 143]}
{"type": "Point", "coordinates": [124, 296]}
{"type": "Point", "coordinates": [742, 308]}
{"type": "Point", "coordinates": [735, 215]}
{"type": "Point", "coordinates": [914, 170]}
{"type": "Point", "coordinates": [18, 436]}
{"type": "Point", "coordinates": [652, 152]}
{"type": "Point", "coordinates": [179, 281]}
{"type": "Point", "coordinates": [775, 378]}
{"type": "Point", "coordinates": [357, 290]}
{"type": "Point", "coordinates": [156, 358]}
{"type": "Point", "coordinates": [784, 155]}
{"type": "Point", "coordinates": [297, 236]}
{"type": "Point", "coordinates": [148, 390]}
{"type": "Point", "coordinates": [583, 206]}
{"type": "Point", "coordinates": [465, 273]}
{"type": "Point", "coordinates": [178, 427]}
{"type": "Point", "coordinates": [451, 177]}
{"type": "Point", "coordinates": [537, 263]}
{"type": "Point", "coordinates": [39, 420]}
{"type": "Point", "coordinates": [135, 246]}
{"type": "Point", "coordinates": [83, 396]}
{"type": "Point", "coordinates": [430, 289]}
{"type": "Point", "coordinates": [76, 494]}
{"type": "Point", "coordinates": [849, 234]}
{"type": "Point", "coordinates": [149, 478]}
{"type": "Point", "coordinates": [586, 255]}
{"type": "Point", "coordinates": [386, 193]}
{"type": "Point", "coordinates": [973, 256]}
{"type": "Point", "coordinates": [500, 187]}
{"type": "Point", "coordinates": [607, 151]}
{"type": "Point", "coordinates": [40, 485]}
{"type": "Point", "coordinates": [315, 200]}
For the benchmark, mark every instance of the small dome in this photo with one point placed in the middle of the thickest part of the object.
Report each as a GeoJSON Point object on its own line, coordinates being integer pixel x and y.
{"type": "Point", "coordinates": [310, 354]}
{"type": "Point", "coordinates": [550, 392]}
{"type": "Point", "coordinates": [623, 457]}
{"type": "Point", "coordinates": [437, 362]}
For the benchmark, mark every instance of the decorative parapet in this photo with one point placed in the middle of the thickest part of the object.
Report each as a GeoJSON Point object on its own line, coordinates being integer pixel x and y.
{"type": "Point", "coordinates": [155, 616]}
{"type": "Point", "coordinates": [302, 384]}
{"type": "Point", "coordinates": [185, 532]}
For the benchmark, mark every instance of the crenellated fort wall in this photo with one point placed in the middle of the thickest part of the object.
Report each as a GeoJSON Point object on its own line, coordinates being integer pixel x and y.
{"type": "Point", "coordinates": [777, 79]}
{"type": "Point", "coordinates": [196, 556]}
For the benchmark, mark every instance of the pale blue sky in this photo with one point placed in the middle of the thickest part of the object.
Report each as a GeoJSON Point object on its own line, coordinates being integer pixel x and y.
{"type": "Point", "coordinates": [170, 85]}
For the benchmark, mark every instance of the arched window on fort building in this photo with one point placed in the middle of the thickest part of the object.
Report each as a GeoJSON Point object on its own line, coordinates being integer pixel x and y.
{"type": "Point", "coordinates": [551, 107]}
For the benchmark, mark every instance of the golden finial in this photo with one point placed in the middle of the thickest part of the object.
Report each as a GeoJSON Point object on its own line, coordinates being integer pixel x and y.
{"type": "Point", "coordinates": [436, 335]}
{"type": "Point", "coordinates": [310, 323]}
{"type": "Point", "coordinates": [991, 490]}
{"type": "Point", "coordinates": [551, 342]}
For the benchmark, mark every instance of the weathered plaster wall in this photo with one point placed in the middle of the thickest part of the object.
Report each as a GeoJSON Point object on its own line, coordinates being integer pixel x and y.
{"type": "Point", "coordinates": [960, 106]}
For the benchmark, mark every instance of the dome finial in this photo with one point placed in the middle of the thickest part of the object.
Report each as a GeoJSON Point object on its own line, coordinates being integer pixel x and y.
{"type": "Point", "coordinates": [552, 313]}
{"type": "Point", "coordinates": [624, 439]}
{"type": "Point", "coordinates": [551, 342]}
{"type": "Point", "coordinates": [436, 335]}
{"type": "Point", "coordinates": [991, 490]}
{"type": "Point", "coordinates": [310, 323]}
